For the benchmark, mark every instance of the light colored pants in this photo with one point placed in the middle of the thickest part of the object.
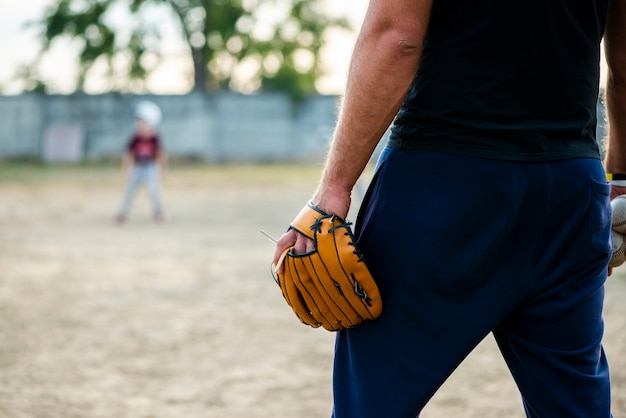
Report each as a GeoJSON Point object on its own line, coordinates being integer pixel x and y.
{"type": "Point", "coordinates": [147, 174]}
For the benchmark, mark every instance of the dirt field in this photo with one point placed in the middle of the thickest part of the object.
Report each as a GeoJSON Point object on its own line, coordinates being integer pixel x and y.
{"type": "Point", "coordinates": [183, 319]}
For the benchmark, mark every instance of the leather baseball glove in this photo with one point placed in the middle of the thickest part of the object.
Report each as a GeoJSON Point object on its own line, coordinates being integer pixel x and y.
{"type": "Point", "coordinates": [330, 286]}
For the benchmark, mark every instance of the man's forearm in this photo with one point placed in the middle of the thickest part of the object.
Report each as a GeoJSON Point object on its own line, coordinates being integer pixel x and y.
{"type": "Point", "coordinates": [616, 112]}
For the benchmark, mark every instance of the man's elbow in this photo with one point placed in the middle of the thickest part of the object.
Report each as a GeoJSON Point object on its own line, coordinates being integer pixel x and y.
{"type": "Point", "coordinates": [408, 46]}
{"type": "Point", "coordinates": [400, 44]}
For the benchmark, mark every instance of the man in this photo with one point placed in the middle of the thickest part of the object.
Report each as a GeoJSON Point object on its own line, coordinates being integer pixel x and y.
{"type": "Point", "coordinates": [489, 208]}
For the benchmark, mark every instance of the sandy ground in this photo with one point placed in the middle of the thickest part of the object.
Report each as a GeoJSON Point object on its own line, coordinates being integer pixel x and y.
{"type": "Point", "coordinates": [183, 319]}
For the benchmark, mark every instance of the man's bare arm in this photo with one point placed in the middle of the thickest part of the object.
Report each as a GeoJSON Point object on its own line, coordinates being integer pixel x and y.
{"type": "Point", "coordinates": [383, 65]}
{"type": "Point", "coordinates": [384, 62]}
{"type": "Point", "coordinates": [615, 51]}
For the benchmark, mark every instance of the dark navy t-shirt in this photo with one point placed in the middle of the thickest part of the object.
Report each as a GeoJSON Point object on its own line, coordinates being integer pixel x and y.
{"type": "Point", "coordinates": [507, 80]}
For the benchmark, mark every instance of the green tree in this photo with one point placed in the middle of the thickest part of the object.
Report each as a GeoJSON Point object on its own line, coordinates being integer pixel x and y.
{"type": "Point", "coordinates": [244, 45]}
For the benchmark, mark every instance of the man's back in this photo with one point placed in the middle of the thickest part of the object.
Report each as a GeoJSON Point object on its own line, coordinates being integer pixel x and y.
{"type": "Point", "coordinates": [505, 81]}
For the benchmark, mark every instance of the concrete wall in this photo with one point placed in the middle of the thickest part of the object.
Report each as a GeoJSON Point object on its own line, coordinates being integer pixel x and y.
{"type": "Point", "coordinates": [224, 127]}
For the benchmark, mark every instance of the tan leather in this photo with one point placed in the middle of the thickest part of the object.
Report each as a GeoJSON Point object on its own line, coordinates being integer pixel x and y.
{"type": "Point", "coordinates": [331, 286]}
{"type": "Point", "coordinates": [307, 218]}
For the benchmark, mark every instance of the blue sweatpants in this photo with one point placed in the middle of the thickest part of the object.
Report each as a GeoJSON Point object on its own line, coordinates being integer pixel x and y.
{"type": "Point", "coordinates": [462, 247]}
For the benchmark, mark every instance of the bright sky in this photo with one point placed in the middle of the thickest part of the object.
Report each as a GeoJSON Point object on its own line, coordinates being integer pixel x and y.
{"type": "Point", "coordinates": [18, 45]}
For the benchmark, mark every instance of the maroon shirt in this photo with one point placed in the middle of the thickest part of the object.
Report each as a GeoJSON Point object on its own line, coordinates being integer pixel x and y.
{"type": "Point", "coordinates": [144, 150]}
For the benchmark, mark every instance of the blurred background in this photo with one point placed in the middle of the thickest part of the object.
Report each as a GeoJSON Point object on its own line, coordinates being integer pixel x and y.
{"type": "Point", "coordinates": [161, 35]}
{"type": "Point", "coordinates": [237, 81]}
{"type": "Point", "coordinates": [181, 318]}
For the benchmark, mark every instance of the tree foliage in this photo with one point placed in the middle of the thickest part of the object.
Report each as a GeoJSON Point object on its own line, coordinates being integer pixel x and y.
{"type": "Point", "coordinates": [244, 45]}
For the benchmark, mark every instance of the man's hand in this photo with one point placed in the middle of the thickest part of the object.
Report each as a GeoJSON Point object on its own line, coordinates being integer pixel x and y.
{"type": "Point", "coordinates": [616, 191]}
{"type": "Point", "coordinates": [291, 238]}
{"type": "Point", "coordinates": [335, 204]}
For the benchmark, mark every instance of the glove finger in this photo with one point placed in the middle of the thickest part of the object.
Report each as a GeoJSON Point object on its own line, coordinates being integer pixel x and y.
{"type": "Point", "coordinates": [345, 266]}
{"type": "Point", "coordinates": [317, 305]}
{"type": "Point", "coordinates": [279, 264]}
{"type": "Point", "coordinates": [292, 295]}
{"type": "Point", "coordinates": [330, 291]}
{"type": "Point", "coordinates": [342, 299]}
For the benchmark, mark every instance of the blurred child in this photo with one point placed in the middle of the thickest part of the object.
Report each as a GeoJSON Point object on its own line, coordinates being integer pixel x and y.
{"type": "Point", "coordinates": [144, 158]}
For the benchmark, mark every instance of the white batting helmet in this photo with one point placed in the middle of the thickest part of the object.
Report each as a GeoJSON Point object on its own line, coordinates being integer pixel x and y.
{"type": "Point", "coordinates": [149, 112]}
